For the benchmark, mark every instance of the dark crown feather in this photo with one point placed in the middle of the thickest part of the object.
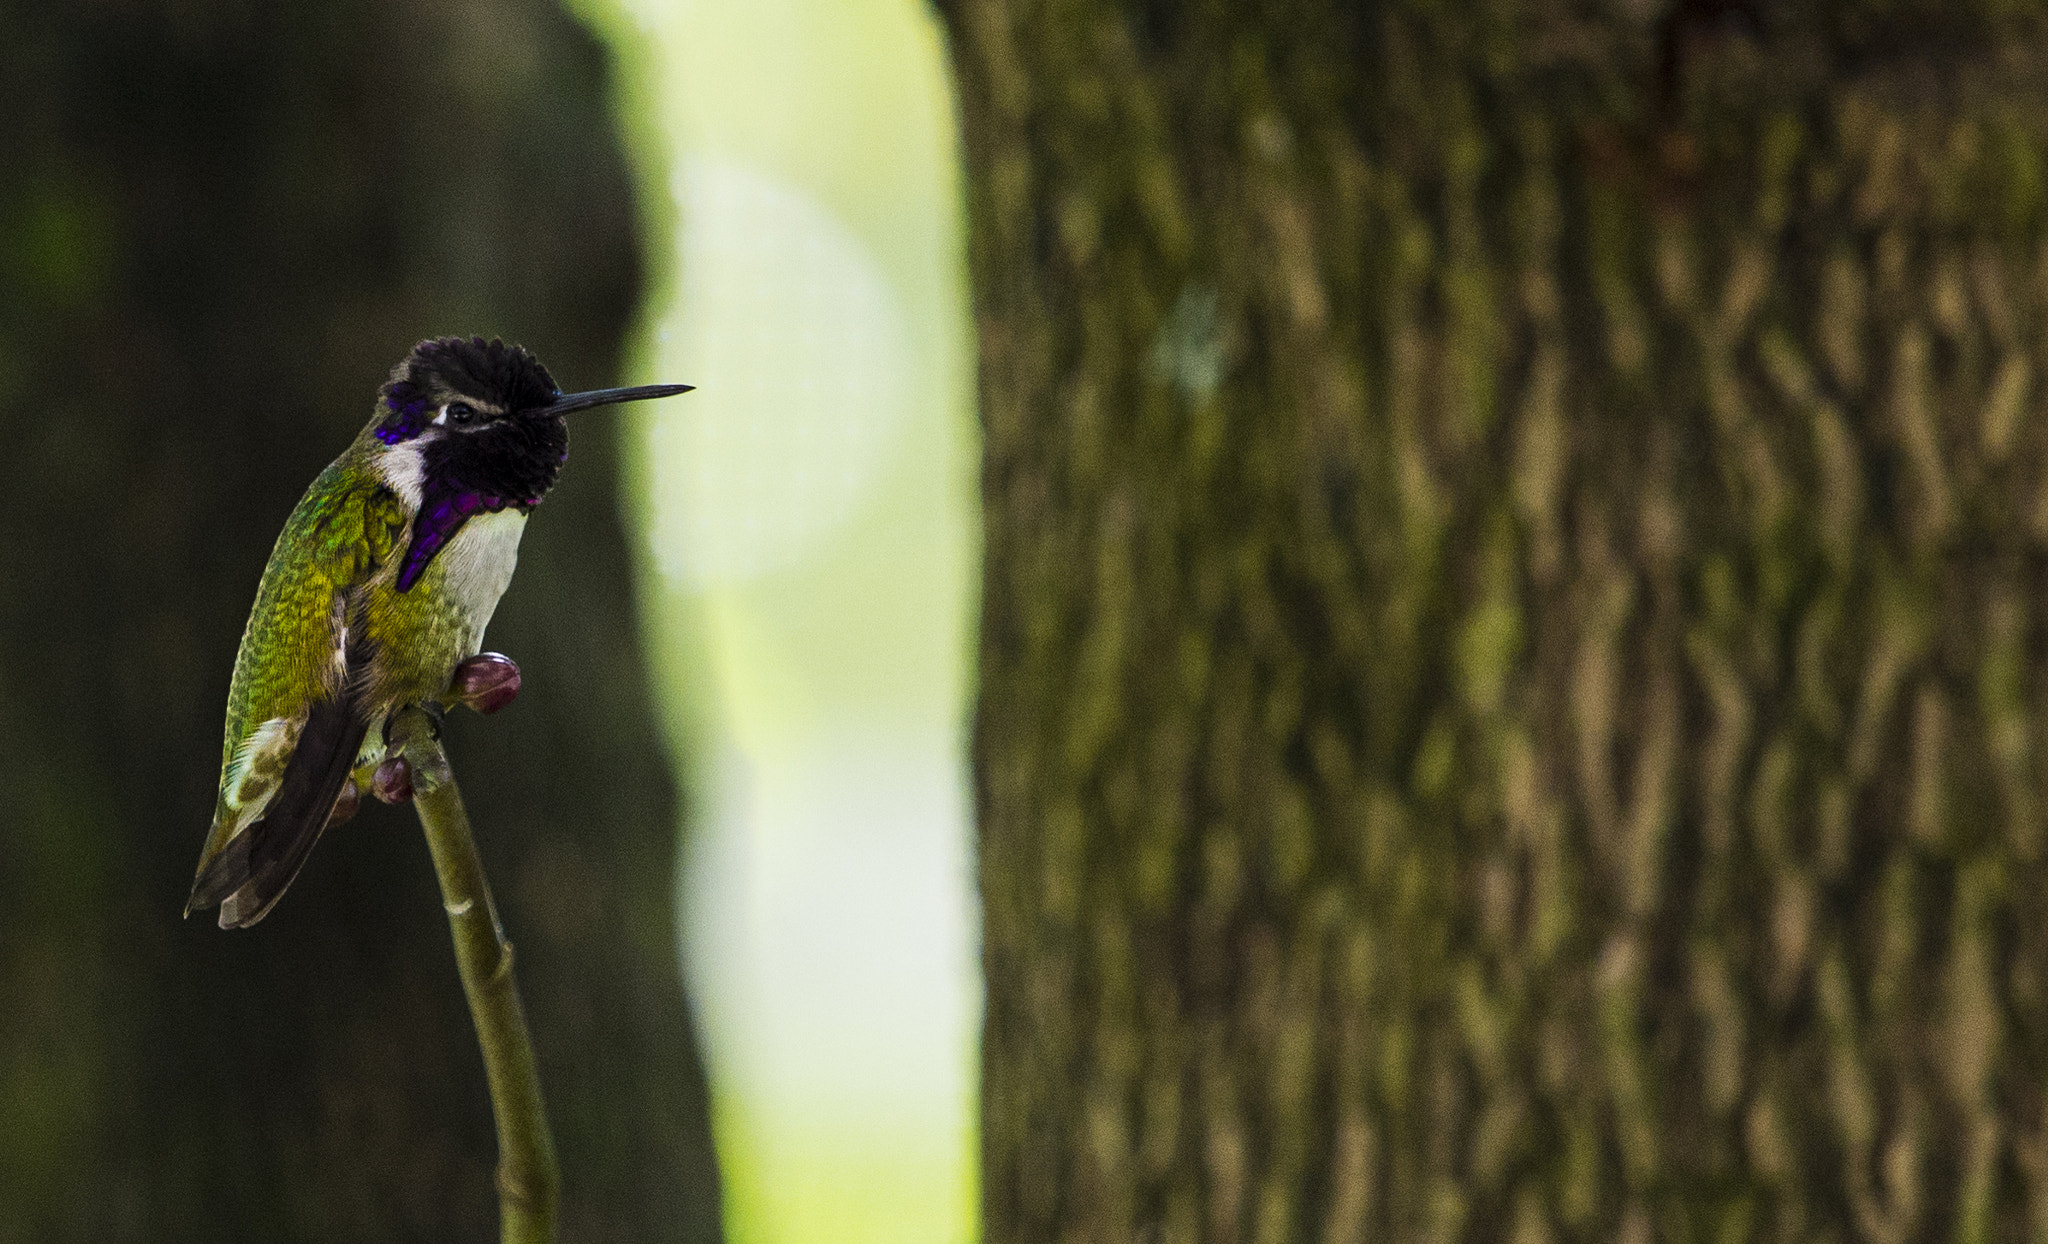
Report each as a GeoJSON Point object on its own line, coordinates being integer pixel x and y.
{"type": "Point", "coordinates": [505, 376]}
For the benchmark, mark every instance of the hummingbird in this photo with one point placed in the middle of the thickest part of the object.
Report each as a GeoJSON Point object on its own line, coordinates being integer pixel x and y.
{"type": "Point", "coordinates": [382, 582]}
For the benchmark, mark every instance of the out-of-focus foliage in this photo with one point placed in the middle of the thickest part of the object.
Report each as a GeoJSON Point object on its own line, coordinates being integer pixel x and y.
{"type": "Point", "coordinates": [808, 604]}
{"type": "Point", "coordinates": [219, 226]}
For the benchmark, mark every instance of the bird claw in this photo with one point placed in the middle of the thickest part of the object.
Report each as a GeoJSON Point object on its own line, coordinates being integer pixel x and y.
{"type": "Point", "coordinates": [412, 763]}
{"type": "Point", "coordinates": [486, 682]}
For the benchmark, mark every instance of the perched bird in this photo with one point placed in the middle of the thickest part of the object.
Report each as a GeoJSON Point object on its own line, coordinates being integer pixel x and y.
{"type": "Point", "coordinates": [383, 580]}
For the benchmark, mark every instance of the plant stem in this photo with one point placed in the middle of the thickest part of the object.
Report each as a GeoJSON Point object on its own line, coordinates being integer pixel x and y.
{"type": "Point", "coordinates": [529, 1184]}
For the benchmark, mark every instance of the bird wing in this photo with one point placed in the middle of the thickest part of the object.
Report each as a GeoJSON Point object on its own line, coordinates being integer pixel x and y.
{"type": "Point", "coordinates": [296, 716]}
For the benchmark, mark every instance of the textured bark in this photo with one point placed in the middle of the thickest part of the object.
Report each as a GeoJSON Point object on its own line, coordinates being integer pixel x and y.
{"type": "Point", "coordinates": [1512, 690]}
{"type": "Point", "coordinates": [220, 225]}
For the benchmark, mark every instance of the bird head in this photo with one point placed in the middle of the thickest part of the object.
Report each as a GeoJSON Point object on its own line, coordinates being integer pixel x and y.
{"type": "Point", "coordinates": [485, 418]}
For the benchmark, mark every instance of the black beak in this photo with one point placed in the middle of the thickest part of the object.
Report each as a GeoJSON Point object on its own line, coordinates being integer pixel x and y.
{"type": "Point", "coordinates": [566, 402]}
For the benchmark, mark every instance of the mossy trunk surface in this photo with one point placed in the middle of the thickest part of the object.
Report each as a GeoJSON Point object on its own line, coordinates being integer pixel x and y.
{"type": "Point", "coordinates": [220, 225]}
{"type": "Point", "coordinates": [1513, 700]}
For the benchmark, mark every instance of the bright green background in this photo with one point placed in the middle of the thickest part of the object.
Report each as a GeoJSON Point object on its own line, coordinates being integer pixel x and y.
{"type": "Point", "coordinates": [809, 555]}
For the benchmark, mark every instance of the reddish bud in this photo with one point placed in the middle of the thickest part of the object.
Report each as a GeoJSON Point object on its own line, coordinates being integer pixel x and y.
{"type": "Point", "coordinates": [345, 804]}
{"type": "Point", "coordinates": [486, 682]}
{"type": "Point", "coordinates": [393, 780]}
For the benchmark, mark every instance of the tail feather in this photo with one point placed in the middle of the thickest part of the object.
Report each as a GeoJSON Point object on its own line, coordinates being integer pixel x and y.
{"type": "Point", "coordinates": [251, 872]}
{"type": "Point", "coordinates": [223, 875]}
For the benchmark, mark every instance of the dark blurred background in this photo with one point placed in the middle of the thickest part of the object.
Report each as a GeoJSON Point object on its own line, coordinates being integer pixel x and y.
{"type": "Point", "coordinates": [220, 225]}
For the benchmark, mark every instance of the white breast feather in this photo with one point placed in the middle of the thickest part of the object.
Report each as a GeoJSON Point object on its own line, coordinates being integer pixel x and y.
{"type": "Point", "coordinates": [478, 564]}
{"type": "Point", "coordinates": [402, 467]}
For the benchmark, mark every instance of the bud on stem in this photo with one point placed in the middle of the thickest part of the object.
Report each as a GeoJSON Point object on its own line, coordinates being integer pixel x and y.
{"type": "Point", "coordinates": [487, 682]}
{"type": "Point", "coordinates": [345, 803]}
{"type": "Point", "coordinates": [393, 781]}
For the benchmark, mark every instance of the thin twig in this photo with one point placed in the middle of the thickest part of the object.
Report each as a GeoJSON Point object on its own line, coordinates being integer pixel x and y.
{"type": "Point", "coordinates": [529, 1184]}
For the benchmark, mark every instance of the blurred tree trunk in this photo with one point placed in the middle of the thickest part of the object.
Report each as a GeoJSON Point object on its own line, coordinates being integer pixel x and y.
{"type": "Point", "coordinates": [1513, 691]}
{"type": "Point", "coordinates": [219, 228]}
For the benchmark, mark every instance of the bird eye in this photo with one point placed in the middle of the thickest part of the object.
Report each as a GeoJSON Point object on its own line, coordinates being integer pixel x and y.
{"type": "Point", "coordinates": [458, 412]}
